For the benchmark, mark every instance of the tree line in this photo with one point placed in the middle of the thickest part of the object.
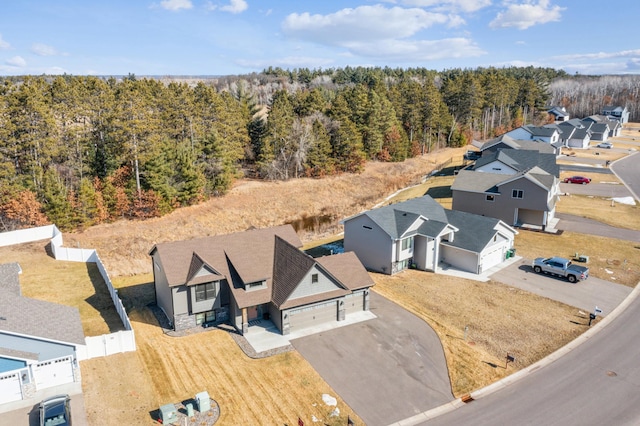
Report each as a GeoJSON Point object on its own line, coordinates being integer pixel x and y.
{"type": "Point", "coordinates": [82, 150]}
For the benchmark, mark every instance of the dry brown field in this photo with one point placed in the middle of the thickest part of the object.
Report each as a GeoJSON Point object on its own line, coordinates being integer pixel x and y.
{"type": "Point", "coordinates": [126, 388]}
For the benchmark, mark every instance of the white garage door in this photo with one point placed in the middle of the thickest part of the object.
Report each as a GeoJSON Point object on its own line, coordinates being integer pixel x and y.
{"type": "Point", "coordinates": [53, 373]}
{"type": "Point", "coordinates": [354, 302]}
{"type": "Point", "coordinates": [10, 389]}
{"type": "Point", "coordinates": [493, 258]}
{"type": "Point", "coordinates": [313, 315]}
{"type": "Point", "coordinates": [462, 259]}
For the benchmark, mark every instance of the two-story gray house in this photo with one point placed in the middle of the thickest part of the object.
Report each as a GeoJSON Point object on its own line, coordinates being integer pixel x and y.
{"type": "Point", "coordinates": [256, 274]}
{"type": "Point", "coordinates": [421, 234]}
{"type": "Point", "coordinates": [616, 112]}
{"type": "Point", "coordinates": [517, 187]}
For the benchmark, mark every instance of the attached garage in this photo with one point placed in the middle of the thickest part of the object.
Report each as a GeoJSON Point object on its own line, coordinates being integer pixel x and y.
{"type": "Point", "coordinates": [53, 373]}
{"type": "Point", "coordinates": [354, 302]}
{"type": "Point", "coordinates": [493, 256]}
{"type": "Point", "coordinates": [459, 258]}
{"type": "Point", "coordinates": [10, 387]}
{"type": "Point", "coordinates": [311, 315]}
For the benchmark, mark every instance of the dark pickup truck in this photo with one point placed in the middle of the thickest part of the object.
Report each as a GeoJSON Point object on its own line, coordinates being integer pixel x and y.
{"type": "Point", "coordinates": [562, 267]}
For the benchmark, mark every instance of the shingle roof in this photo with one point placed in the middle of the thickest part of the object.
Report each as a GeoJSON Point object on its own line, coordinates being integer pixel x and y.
{"type": "Point", "coordinates": [540, 130]}
{"type": "Point", "coordinates": [470, 181]}
{"type": "Point", "coordinates": [37, 318]}
{"type": "Point", "coordinates": [475, 231]}
{"type": "Point", "coordinates": [523, 160]}
{"type": "Point", "coordinates": [290, 266]}
{"type": "Point", "coordinates": [523, 144]}
{"type": "Point", "coordinates": [397, 218]}
{"type": "Point", "coordinates": [269, 254]}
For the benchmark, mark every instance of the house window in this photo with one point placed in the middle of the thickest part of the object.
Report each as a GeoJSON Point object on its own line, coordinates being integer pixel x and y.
{"type": "Point", "coordinates": [490, 197]}
{"type": "Point", "coordinates": [205, 292]}
{"type": "Point", "coordinates": [406, 243]}
{"type": "Point", "coordinates": [314, 278]}
{"type": "Point", "coordinates": [517, 193]}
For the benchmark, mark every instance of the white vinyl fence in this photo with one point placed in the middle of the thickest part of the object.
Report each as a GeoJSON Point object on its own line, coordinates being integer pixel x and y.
{"type": "Point", "coordinates": [107, 344]}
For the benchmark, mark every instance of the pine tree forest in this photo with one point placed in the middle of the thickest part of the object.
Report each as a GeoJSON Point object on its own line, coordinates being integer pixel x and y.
{"type": "Point", "coordinates": [83, 150]}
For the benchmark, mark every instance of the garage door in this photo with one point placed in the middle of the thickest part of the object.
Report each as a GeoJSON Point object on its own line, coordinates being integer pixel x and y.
{"type": "Point", "coordinates": [10, 389]}
{"type": "Point", "coordinates": [313, 315]}
{"type": "Point", "coordinates": [354, 302]}
{"type": "Point", "coordinates": [493, 258]}
{"type": "Point", "coordinates": [53, 373]}
{"type": "Point", "coordinates": [461, 259]}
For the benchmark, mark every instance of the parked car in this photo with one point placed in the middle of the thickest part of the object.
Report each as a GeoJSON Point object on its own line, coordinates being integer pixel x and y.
{"type": "Point", "coordinates": [472, 155]}
{"type": "Point", "coordinates": [55, 411]}
{"type": "Point", "coordinates": [578, 179]}
{"type": "Point", "coordinates": [562, 267]}
{"type": "Point", "coordinates": [606, 145]}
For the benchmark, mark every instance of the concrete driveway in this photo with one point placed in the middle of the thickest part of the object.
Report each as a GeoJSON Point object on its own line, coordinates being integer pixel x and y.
{"type": "Point", "coordinates": [385, 369]}
{"type": "Point", "coordinates": [585, 295]}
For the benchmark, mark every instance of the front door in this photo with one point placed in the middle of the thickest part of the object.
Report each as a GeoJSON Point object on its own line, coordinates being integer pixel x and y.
{"type": "Point", "coordinates": [253, 313]}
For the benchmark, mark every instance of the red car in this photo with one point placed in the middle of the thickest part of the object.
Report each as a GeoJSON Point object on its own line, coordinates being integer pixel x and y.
{"type": "Point", "coordinates": [577, 179]}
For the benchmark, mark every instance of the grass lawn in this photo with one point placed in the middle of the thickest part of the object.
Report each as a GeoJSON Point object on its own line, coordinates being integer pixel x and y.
{"type": "Point", "coordinates": [499, 319]}
{"type": "Point", "coordinates": [67, 283]}
{"type": "Point", "coordinates": [274, 390]}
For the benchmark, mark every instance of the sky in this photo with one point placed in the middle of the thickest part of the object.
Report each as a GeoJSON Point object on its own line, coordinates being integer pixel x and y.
{"type": "Point", "coordinates": [233, 37]}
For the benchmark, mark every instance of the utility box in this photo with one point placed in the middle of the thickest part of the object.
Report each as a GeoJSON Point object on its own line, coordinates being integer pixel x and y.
{"type": "Point", "coordinates": [168, 414]}
{"type": "Point", "coordinates": [203, 401]}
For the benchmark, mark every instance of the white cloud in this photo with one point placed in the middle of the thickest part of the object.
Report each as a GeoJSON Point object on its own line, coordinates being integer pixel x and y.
{"type": "Point", "coordinates": [41, 49]}
{"type": "Point", "coordinates": [632, 54]}
{"type": "Point", "coordinates": [419, 50]}
{"type": "Point", "coordinates": [365, 24]}
{"type": "Point", "coordinates": [4, 45]}
{"type": "Point", "coordinates": [450, 5]}
{"type": "Point", "coordinates": [528, 14]}
{"type": "Point", "coordinates": [16, 61]}
{"type": "Point", "coordinates": [176, 5]}
{"type": "Point", "coordinates": [235, 6]}
{"type": "Point", "coordinates": [379, 32]}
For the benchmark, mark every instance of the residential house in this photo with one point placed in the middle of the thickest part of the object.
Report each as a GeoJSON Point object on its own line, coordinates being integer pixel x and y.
{"type": "Point", "coordinates": [559, 113]}
{"type": "Point", "coordinates": [615, 128]}
{"type": "Point", "coordinates": [39, 341]}
{"type": "Point", "coordinates": [576, 133]}
{"type": "Point", "coordinates": [421, 234]}
{"type": "Point", "coordinates": [518, 187]}
{"type": "Point", "coordinates": [507, 142]}
{"type": "Point", "coordinates": [617, 113]}
{"type": "Point", "coordinates": [256, 274]}
{"type": "Point", "coordinates": [546, 134]}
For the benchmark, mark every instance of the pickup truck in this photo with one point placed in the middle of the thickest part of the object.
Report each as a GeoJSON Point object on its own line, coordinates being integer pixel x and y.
{"type": "Point", "coordinates": [562, 267]}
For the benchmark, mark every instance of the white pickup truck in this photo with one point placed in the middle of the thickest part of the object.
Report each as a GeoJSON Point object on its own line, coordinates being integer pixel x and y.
{"type": "Point", "coordinates": [562, 267]}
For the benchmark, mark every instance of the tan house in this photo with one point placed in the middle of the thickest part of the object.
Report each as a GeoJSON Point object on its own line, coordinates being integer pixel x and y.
{"type": "Point", "coordinates": [256, 274]}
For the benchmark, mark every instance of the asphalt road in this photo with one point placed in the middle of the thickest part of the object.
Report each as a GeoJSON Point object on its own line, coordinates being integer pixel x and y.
{"type": "Point", "coordinates": [385, 369]}
{"type": "Point", "coordinates": [628, 171]}
{"type": "Point", "coordinates": [585, 295]}
{"type": "Point", "coordinates": [596, 382]}
{"type": "Point", "coordinates": [573, 223]}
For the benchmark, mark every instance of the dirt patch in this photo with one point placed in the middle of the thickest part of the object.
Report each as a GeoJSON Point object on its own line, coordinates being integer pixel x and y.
{"type": "Point", "coordinates": [123, 246]}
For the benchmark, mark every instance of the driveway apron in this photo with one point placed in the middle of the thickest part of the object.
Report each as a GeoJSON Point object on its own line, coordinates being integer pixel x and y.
{"type": "Point", "coordinates": [385, 369]}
